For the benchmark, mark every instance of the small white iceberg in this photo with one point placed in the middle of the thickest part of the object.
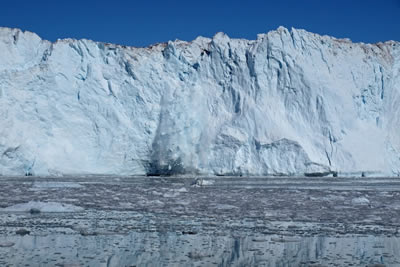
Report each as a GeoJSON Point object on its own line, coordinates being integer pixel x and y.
{"type": "Point", "coordinates": [202, 182]}
{"type": "Point", "coordinates": [38, 206]}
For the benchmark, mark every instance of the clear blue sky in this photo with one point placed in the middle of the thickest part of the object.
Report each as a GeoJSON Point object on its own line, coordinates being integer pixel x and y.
{"type": "Point", "coordinates": [140, 23]}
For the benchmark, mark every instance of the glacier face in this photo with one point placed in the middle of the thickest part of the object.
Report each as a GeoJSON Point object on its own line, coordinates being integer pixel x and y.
{"type": "Point", "coordinates": [287, 103]}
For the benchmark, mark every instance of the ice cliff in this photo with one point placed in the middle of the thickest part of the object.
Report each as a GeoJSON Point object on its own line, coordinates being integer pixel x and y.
{"type": "Point", "coordinates": [288, 103]}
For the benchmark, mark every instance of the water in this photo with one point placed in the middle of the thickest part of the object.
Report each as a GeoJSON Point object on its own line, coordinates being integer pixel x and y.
{"type": "Point", "coordinates": [205, 222]}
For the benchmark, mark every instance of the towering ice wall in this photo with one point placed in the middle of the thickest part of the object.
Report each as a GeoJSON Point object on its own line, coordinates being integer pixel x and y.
{"type": "Point", "coordinates": [288, 103]}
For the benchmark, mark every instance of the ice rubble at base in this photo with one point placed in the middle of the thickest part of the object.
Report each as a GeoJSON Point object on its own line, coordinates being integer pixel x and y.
{"type": "Point", "coordinates": [287, 103]}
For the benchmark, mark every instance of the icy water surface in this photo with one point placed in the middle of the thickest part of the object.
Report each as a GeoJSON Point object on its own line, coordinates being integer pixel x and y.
{"type": "Point", "coordinates": [143, 221]}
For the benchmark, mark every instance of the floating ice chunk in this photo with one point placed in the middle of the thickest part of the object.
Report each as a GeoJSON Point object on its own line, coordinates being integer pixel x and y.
{"type": "Point", "coordinates": [360, 201]}
{"type": "Point", "coordinates": [208, 182]}
{"type": "Point", "coordinates": [181, 190]}
{"type": "Point", "coordinates": [6, 244]}
{"type": "Point", "coordinates": [171, 194]}
{"type": "Point", "coordinates": [43, 207]}
{"type": "Point", "coordinates": [202, 182]}
{"type": "Point", "coordinates": [56, 185]}
{"type": "Point", "coordinates": [226, 207]}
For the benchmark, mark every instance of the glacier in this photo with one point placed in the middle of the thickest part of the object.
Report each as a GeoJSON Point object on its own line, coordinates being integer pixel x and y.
{"type": "Point", "coordinates": [290, 102]}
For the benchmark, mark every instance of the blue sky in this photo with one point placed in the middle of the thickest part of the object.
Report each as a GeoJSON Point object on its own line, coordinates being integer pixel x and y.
{"type": "Point", "coordinates": [140, 23]}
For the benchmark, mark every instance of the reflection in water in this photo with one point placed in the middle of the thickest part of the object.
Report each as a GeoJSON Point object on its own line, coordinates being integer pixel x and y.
{"type": "Point", "coordinates": [173, 249]}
